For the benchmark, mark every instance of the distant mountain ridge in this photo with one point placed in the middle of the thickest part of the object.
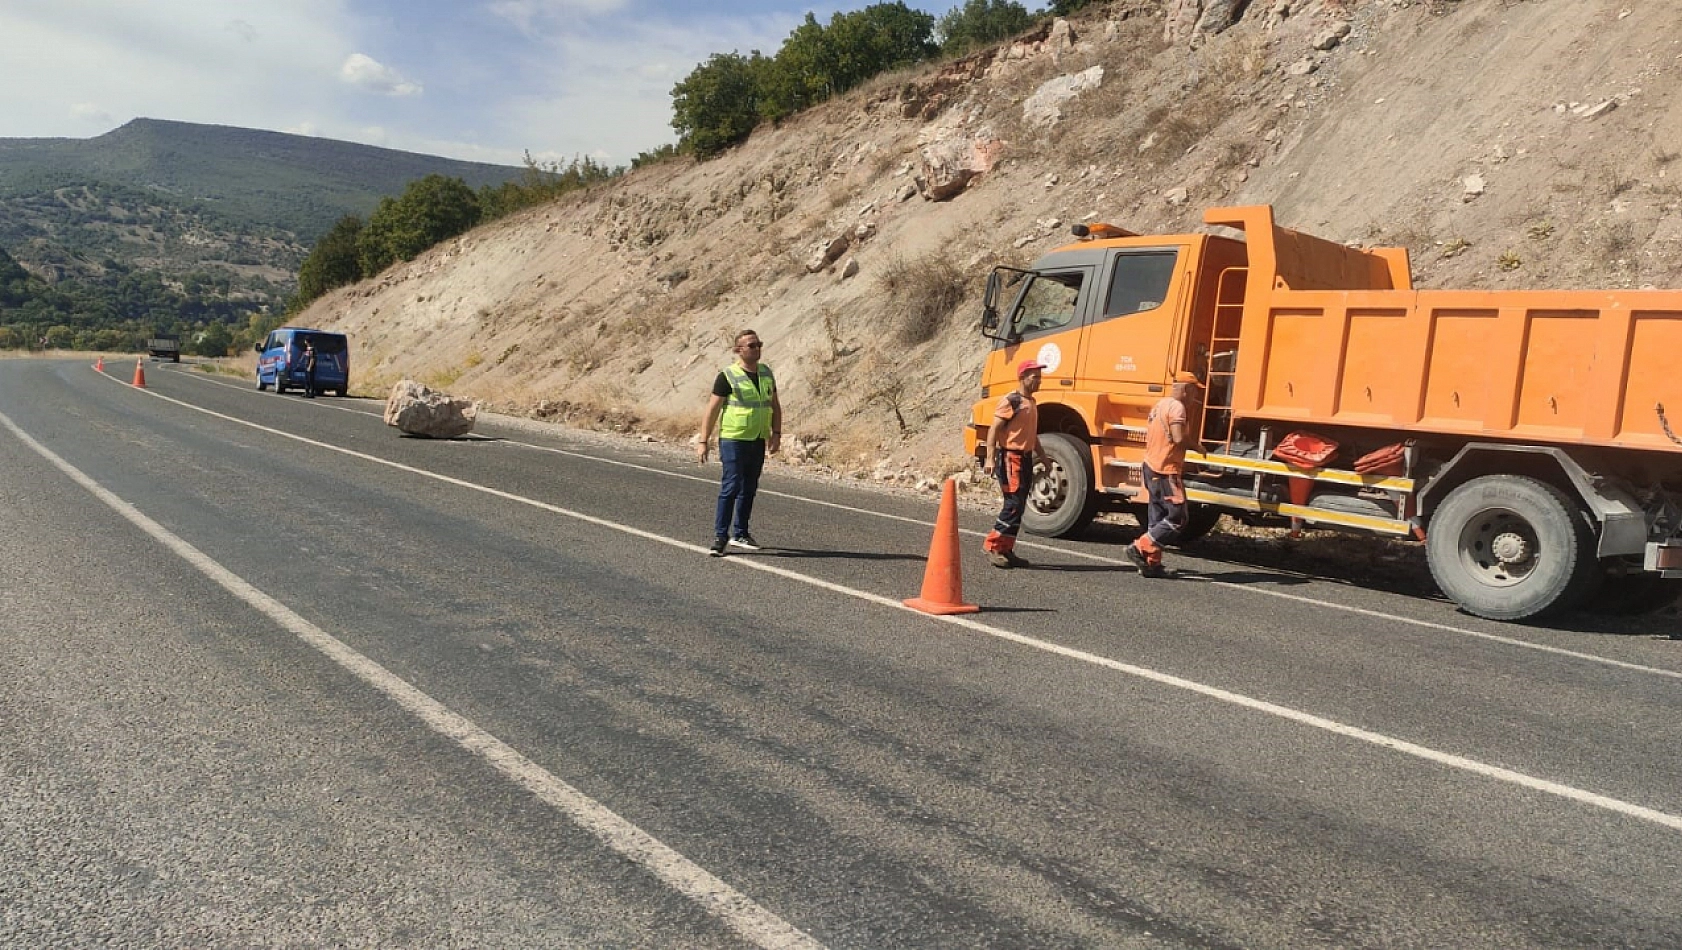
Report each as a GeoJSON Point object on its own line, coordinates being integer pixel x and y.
{"type": "Point", "coordinates": [296, 183]}
{"type": "Point", "coordinates": [209, 222]}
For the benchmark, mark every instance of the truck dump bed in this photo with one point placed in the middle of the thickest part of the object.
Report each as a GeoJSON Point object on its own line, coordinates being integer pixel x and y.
{"type": "Point", "coordinates": [1331, 334]}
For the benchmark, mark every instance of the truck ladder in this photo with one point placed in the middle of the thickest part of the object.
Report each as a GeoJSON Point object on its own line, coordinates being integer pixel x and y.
{"type": "Point", "coordinates": [1223, 359]}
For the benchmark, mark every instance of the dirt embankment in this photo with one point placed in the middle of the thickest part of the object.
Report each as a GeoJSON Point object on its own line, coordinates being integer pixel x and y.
{"type": "Point", "coordinates": [1505, 143]}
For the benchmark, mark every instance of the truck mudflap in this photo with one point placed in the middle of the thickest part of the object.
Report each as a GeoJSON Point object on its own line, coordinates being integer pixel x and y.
{"type": "Point", "coordinates": [1664, 558]}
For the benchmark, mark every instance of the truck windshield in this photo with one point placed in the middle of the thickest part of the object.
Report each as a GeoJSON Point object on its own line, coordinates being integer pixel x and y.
{"type": "Point", "coordinates": [1048, 303]}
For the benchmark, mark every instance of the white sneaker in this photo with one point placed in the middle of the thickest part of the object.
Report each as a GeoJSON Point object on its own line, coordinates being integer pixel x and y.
{"type": "Point", "coordinates": [745, 542]}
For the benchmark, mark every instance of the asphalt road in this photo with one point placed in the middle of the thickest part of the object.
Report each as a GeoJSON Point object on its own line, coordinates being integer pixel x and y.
{"type": "Point", "coordinates": [272, 675]}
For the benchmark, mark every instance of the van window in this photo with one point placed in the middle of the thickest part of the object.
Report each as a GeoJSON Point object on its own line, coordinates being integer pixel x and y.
{"type": "Point", "coordinates": [1139, 282]}
{"type": "Point", "coordinates": [324, 342]}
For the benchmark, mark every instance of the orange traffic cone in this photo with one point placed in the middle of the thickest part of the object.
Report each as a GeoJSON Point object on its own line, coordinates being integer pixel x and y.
{"type": "Point", "coordinates": [99, 365]}
{"type": "Point", "coordinates": [139, 375]}
{"type": "Point", "coordinates": [943, 584]}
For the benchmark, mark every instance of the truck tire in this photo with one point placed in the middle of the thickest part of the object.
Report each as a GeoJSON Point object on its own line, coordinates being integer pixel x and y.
{"type": "Point", "coordinates": [1507, 547]}
{"type": "Point", "coordinates": [1060, 501]}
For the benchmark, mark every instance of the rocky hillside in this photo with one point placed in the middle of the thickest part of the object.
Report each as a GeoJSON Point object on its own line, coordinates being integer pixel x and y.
{"type": "Point", "coordinates": [1505, 143]}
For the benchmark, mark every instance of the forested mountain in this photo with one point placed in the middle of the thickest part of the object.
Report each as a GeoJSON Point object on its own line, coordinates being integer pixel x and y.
{"type": "Point", "coordinates": [171, 225]}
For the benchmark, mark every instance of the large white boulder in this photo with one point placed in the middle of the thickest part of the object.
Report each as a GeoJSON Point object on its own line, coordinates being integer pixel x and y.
{"type": "Point", "coordinates": [418, 410]}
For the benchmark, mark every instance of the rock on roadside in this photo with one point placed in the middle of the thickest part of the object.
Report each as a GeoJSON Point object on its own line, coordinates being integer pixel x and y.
{"type": "Point", "coordinates": [418, 410]}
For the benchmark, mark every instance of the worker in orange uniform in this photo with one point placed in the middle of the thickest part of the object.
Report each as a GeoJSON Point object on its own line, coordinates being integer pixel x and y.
{"type": "Point", "coordinates": [1012, 440]}
{"type": "Point", "coordinates": [1167, 434]}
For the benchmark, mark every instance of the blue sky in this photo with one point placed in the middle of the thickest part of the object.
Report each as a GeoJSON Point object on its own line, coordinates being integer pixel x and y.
{"type": "Point", "coordinates": [484, 80]}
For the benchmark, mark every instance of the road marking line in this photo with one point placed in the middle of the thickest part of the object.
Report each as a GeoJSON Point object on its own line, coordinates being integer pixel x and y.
{"type": "Point", "coordinates": [1099, 558]}
{"type": "Point", "coordinates": [1166, 679]}
{"type": "Point", "coordinates": [731, 907]}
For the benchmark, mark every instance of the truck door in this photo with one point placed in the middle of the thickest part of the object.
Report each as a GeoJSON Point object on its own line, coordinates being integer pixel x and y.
{"type": "Point", "coordinates": [1047, 322]}
{"type": "Point", "coordinates": [1128, 345]}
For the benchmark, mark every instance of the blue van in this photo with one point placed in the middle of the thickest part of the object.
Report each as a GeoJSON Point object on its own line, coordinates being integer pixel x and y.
{"type": "Point", "coordinates": [280, 361]}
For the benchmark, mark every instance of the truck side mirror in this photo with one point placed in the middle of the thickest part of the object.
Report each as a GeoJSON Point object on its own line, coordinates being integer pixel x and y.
{"type": "Point", "coordinates": [990, 308]}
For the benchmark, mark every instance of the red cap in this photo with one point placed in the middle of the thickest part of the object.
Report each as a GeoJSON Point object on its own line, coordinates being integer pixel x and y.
{"type": "Point", "coordinates": [1026, 365]}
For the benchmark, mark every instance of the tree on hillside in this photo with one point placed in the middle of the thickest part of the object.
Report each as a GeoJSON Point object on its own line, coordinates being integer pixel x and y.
{"type": "Point", "coordinates": [16, 286]}
{"type": "Point", "coordinates": [431, 209]}
{"type": "Point", "coordinates": [818, 61]}
{"type": "Point", "coordinates": [980, 23]}
{"type": "Point", "coordinates": [333, 262]}
{"type": "Point", "coordinates": [877, 39]}
{"type": "Point", "coordinates": [214, 341]}
{"type": "Point", "coordinates": [1066, 7]}
{"type": "Point", "coordinates": [716, 106]}
{"type": "Point", "coordinates": [542, 182]}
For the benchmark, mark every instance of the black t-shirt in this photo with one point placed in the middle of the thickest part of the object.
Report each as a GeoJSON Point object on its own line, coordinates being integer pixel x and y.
{"type": "Point", "coordinates": [721, 385]}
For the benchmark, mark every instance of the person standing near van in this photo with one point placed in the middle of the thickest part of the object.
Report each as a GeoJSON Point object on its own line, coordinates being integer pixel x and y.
{"type": "Point", "coordinates": [1012, 441]}
{"type": "Point", "coordinates": [1167, 434]}
{"type": "Point", "coordinates": [309, 369]}
{"type": "Point", "coordinates": [749, 416]}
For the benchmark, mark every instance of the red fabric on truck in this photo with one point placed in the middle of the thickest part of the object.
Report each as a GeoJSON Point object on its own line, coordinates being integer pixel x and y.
{"type": "Point", "coordinates": [1305, 450]}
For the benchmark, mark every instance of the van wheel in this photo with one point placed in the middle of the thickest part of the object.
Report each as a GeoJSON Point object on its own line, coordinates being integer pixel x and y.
{"type": "Point", "coordinates": [261, 385]}
{"type": "Point", "coordinates": [279, 387]}
{"type": "Point", "coordinates": [1506, 547]}
{"type": "Point", "coordinates": [1060, 501]}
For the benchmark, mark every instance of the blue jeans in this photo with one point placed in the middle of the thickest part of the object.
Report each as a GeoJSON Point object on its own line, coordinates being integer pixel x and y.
{"type": "Point", "coordinates": [742, 461]}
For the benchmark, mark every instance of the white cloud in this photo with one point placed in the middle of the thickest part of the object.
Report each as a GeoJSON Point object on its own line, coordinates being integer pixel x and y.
{"type": "Point", "coordinates": [364, 71]}
{"type": "Point", "coordinates": [533, 17]}
{"type": "Point", "coordinates": [88, 112]}
{"type": "Point", "coordinates": [607, 92]}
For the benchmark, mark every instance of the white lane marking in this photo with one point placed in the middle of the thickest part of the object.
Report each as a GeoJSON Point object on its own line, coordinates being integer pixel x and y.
{"type": "Point", "coordinates": [1451, 760]}
{"type": "Point", "coordinates": [730, 906]}
{"type": "Point", "coordinates": [1103, 559]}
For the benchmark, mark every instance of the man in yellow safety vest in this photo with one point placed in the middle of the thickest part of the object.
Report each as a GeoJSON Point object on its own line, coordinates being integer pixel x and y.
{"type": "Point", "coordinates": [751, 425]}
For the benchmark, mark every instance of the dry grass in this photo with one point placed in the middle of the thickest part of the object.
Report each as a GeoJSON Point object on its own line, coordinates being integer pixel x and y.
{"type": "Point", "coordinates": [924, 291]}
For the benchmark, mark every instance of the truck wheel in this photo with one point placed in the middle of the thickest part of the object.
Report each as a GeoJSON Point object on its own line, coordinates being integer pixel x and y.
{"type": "Point", "coordinates": [1060, 501]}
{"type": "Point", "coordinates": [1507, 547]}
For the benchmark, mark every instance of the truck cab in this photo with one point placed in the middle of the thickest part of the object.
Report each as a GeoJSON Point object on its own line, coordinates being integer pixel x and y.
{"type": "Point", "coordinates": [1112, 318]}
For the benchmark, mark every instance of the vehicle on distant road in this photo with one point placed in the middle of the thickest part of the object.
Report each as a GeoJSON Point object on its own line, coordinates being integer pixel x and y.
{"type": "Point", "coordinates": [164, 348]}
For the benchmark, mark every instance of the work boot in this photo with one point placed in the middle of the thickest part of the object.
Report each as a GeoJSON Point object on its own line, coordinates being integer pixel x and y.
{"type": "Point", "coordinates": [1016, 560]}
{"type": "Point", "coordinates": [1138, 558]}
{"type": "Point", "coordinates": [1000, 559]}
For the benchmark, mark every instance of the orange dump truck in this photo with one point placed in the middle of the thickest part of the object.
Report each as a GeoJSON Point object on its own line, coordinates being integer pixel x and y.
{"type": "Point", "coordinates": [1522, 435]}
